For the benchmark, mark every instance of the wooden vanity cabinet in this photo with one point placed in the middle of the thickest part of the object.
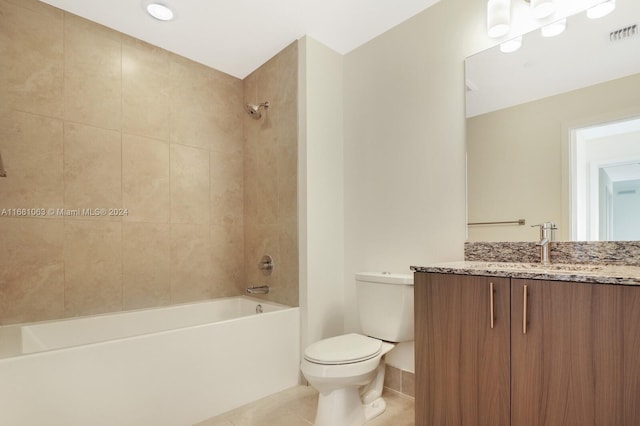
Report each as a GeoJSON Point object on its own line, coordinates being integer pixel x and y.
{"type": "Point", "coordinates": [571, 355]}
{"type": "Point", "coordinates": [462, 363]}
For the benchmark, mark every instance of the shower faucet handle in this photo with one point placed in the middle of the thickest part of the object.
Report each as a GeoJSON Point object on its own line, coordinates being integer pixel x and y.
{"type": "Point", "coordinates": [266, 264]}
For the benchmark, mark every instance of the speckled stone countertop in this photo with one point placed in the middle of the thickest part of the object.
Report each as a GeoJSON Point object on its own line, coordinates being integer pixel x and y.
{"type": "Point", "coordinates": [605, 262]}
{"type": "Point", "coordinates": [603, 274]}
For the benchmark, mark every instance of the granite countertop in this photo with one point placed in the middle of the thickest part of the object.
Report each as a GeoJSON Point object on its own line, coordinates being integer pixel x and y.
{"type": "Point", "coordinates": [600, 273]}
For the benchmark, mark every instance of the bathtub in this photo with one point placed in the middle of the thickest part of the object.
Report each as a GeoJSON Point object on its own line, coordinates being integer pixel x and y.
{"type": "Point", "coordinates": [176, 365]}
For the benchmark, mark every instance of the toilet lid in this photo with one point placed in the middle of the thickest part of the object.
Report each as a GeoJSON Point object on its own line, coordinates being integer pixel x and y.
{"type": "Point", "coordinates": [343, 349]}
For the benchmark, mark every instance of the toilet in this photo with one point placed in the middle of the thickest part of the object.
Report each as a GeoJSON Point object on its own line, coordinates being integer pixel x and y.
{"type": "Point", "coordinates": [348, 370]}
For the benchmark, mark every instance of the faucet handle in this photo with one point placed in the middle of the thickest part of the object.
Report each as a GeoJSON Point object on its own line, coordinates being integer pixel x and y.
{"type": "Point", "coordinates": [546, 225]}
{"type": "Point", "coordinates": [544, 228]}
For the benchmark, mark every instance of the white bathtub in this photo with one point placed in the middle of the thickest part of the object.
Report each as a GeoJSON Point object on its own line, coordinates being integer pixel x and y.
{"type": "Point", "coordinates": [176, 365]}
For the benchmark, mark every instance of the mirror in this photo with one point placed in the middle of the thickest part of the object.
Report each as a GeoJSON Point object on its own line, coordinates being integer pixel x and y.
{"type": "Point", "coordinates": [525, 111]}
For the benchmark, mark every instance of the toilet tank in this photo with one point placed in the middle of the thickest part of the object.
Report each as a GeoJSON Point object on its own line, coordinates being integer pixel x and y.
{"type": "Point", "coordinates": [385, 301]}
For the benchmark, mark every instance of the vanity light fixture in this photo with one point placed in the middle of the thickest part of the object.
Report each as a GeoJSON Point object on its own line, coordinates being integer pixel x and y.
{"type": "Point", "coordinates": [498, 18]}
{"type": "Point", "coordinates": [160, 11]}
{"type": "Point", "coordinates": [542, 12]}
{"type": "Point", "coordinates": [512, 45]}
{"type": "Point", "coordinates": [602, 9]}
{"type": "Point", "coordinates": [542, 8]}
{"type": "Point", "coordinates": [554, 28]}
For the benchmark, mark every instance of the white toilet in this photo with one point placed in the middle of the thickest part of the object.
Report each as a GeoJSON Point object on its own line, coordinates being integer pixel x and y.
{"type": "Point", "coordinates": [348, 370]}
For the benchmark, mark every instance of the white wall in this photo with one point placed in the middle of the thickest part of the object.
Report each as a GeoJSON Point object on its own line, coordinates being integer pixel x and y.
{"type": "Point", "coordinates": [320, 197]}
{"type": "Point", "coordinates": [404, 157]}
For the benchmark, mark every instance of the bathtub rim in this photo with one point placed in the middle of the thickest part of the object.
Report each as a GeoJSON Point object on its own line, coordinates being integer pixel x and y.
{"type": "Point", "coordinates": [13, 331]}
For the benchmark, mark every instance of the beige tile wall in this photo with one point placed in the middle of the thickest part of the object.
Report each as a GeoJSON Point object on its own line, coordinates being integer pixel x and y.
{"type": "Point", "coordinates": [270, 176]}
{"type": "Point", "coordinates": [91, 118]}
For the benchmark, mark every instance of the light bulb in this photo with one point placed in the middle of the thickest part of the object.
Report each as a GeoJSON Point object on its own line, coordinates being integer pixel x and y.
{"type": "Point", "coordinates": [511, 45]}
{"type": "Point", "coordinates": [602, 9]}
{"type": "Point", "coordinates": [554, 28]}
{"type": "Point", "coordinates": [498, 18]}
{"type": "Point", "coordinates": [542, 8]}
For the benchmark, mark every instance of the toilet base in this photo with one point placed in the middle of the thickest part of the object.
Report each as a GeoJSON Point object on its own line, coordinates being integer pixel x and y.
{"type": "Point", "coordinates": [375, 408]}
{"type": "Point", "coordinates": [344, 407]}
{"type": "Point", "coordinates": [353, 405]}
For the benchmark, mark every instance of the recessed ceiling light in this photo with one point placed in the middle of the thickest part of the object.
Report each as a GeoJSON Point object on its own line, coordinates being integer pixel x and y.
{"type": "Point", "coordinates": [160, 11]}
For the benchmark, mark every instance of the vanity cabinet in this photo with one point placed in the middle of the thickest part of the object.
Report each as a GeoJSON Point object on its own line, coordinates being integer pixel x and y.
{"type": "Point", "coordinates": [462, 362]}
{"type": "Point", "coordinates": [566, 354]}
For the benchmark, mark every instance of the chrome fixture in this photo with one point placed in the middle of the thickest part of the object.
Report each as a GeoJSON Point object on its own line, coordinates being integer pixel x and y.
{"type": "Point", "coordinates": [503, 222]}
{"type": "Point", "coordinates": [547, 235]}
{"type": "Point", "coordinates": [259, 309]}
{"type": "Point", "coordinates": [261, 289]}
{"type": "Point", "coordinates": [254, 110]}
{"type": "Point", "coordinates": [266, 264]}
{"type": "Point", "coordinates": [3, 172]}
{"type": "Point", "coordinates": [509, 21]}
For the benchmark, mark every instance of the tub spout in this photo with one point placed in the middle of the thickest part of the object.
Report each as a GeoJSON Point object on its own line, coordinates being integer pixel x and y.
{"type": "Point", "coordinates": [262, 289]}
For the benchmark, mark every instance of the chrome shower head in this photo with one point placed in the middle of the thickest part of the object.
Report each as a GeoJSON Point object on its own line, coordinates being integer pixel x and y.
{"type": "Point", "coordinates": [254, 110]}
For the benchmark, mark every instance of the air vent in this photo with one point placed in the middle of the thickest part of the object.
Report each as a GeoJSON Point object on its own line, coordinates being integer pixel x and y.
{"type": "Point", "coordinates": [624, 33]}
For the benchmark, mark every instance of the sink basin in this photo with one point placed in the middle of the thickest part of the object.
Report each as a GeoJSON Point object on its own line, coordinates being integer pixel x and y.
{"type": "Point", "coordinates": [557, 267]}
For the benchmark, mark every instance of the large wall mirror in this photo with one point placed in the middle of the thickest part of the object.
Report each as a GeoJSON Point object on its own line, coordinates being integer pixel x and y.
{"type": "Point", "coordinates": [553, 132]}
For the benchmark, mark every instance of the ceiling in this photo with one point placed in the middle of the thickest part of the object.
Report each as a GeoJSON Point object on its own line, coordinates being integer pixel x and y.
{"type": "Point", "coordinates": [237, 36]}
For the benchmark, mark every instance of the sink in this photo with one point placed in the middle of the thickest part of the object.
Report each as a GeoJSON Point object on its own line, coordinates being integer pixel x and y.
{"type": "Point", "coordinates": [552, 267]}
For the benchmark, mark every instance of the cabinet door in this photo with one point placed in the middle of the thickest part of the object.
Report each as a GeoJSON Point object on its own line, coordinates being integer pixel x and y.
{"type": "Point", "coordinates": [462, 363]}
{"type": "Point", "coordinates": [631, 343]}
{"type": "Point", "coordinates": [567, 354]}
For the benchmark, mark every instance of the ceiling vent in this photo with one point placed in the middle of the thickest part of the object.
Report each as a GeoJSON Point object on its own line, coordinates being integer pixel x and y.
{"type": "Point", "coordinates": [624, 33]}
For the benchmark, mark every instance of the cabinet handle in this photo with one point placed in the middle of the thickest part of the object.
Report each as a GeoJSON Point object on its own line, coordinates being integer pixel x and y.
{"type": "Point", "coordinates": [524, 310]}
{"type": "Point", "coordinates": [491, 291]}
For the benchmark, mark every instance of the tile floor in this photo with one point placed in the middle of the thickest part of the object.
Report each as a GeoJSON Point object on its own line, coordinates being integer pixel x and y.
{"type": "Point", "coordinates": [297, 407]}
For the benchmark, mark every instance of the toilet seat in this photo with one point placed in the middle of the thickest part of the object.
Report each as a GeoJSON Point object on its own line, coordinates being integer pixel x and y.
{"type": "Point", "coordinates": [345, 349]}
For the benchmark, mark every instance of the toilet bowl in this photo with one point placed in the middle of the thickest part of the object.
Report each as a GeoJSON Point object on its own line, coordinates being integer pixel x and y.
{"type": "Point", "coordinates": [348, 370]}
{"type": "Point", "coordinates": [339, 368]}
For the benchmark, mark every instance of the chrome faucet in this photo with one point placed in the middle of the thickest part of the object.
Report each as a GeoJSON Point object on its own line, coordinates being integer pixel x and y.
{"type": "Point", "coordinates": [547, 235]}
{"type": "Point", "coordinates": [262, 289]}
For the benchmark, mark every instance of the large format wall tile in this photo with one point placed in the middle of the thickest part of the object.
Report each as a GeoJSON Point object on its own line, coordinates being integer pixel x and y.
{"type": "Point", "coordinates": [91, 118]}
{"type": "Point", "coordinates": [190, 263]}
{"type": "Point", "coordinates": [92, 168]}
{"type": "Point", "coordinates": [31, 270]}
{"type": "Point", "coordinates": [145, 179]}
{"type": "Point", "coordinates": [146, 264]}
{"type": "Point", "coordinates": [92, 267]}
{"type": "Point", "coordinates": [262, 240]}
{"type": "Point", "coordinates": [93, 74]}
{"type": "Point", "coordinates": [31, 48]}
{"type": "Point", "coordinates": [226, 188]}
{"type": "Point", "coordinates": [227, 259]}
{"type": "Point", "coordinates": [287, 183]}
{"type": "Point", "coordinates": [270, 176]}
{"type": "Point", "coordinates": [146, 90]}
{"type": "Point", "coordinates": [261, 184]}
{"type": "Point", "coordinates": [31, 147]}
{"type": "Point", "coordinates": [189, 185]}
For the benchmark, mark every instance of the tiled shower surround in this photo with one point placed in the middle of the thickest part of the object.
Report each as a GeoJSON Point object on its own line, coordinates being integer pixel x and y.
{"type": "Point", "coordinates": [193, 190]}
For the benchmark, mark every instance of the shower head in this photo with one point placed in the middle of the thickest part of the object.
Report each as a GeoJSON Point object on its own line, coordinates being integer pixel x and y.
{"type": "Point", "coordinates": [254, 110]}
